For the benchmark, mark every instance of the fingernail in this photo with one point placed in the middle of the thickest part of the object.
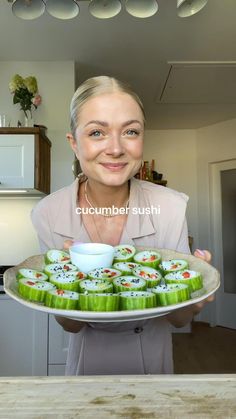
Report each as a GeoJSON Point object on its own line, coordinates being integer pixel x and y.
{"type": "Point", "coordinates": [201, 252]}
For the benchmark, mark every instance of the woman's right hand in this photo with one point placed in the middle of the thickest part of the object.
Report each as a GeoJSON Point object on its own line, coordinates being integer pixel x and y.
{"type": "Point", "coordinates": [67, 244]}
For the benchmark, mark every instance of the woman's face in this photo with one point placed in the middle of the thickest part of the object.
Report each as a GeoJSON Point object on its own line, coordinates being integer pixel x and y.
{"type": "Point", "coordinates": [109, 138]}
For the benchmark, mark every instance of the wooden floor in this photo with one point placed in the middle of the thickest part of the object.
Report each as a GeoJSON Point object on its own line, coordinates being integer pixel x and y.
{"type": "Point", "coordinates": [206, 350]}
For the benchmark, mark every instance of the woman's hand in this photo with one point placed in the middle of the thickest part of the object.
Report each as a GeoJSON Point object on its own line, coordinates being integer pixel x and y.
{"type": "Point", "coordinates": [67, 244]}
{"type": "Point", "coordinates": [181, 317]}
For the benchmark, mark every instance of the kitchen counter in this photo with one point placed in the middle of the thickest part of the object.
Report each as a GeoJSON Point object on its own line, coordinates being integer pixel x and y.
{"type": "Point", "coordinates": [129, 397]}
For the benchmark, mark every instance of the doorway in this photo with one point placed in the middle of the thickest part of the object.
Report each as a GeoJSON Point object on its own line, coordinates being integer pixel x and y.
{"type": "Point", "coordinates": [223, 238]}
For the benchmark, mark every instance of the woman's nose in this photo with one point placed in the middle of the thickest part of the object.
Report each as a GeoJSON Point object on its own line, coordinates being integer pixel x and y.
{"type": "Point", "coordinates": [115, 146]}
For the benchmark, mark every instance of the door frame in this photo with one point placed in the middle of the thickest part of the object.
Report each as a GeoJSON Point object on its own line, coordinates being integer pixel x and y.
{"type": "Point", "coordinates": [215, 168]}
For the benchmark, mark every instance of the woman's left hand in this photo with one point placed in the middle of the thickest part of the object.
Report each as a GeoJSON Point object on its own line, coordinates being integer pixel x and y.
{"type": "Point", "coordinates": [184, 315]}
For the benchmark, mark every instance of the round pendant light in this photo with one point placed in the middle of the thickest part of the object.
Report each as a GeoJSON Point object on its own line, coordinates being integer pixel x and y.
{"type": "Point", "coordinates": [186, 8]}
{"type": "Point", "coordinates": [62, 9]}
{"type": "Point", "coordinates": [104, 9]}
{"type": "Point", "coordinates": [28, 9]}
{"type": "Point", "coordinates": [141, 8]}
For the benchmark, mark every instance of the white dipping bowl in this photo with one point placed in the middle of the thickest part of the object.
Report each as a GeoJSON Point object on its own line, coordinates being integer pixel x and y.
{"type": "Point", "coordinates": [88, 256]}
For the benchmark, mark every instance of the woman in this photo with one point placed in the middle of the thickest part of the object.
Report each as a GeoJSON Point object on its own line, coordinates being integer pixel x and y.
{"type": "Point", "coordinates": [107, 132]}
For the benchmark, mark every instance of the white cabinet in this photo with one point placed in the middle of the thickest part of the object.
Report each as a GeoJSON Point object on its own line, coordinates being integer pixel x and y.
{"type": "Point", "coordinates": [24, 160]}
{"type": "Point", "coordinates": [23, 339]}
{"type": "Point", "coordinates": [17, 161]}
{"type": "Point", "coordinates": [58, 341]}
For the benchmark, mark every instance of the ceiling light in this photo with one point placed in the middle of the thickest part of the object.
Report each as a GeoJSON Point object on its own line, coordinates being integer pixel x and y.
{"type": "Point", "coordinates": [104, 9]}
{"type": "Point", "coordinates": [186, 8]}
{"type": "Point", "coordinates": [101, 9]}
{"type": "Point", "coordinates": [141, 8]}
{"type": "Point", "coordinates": [28, 9]}
{"type": "Point", "coordinates": [62, 9]}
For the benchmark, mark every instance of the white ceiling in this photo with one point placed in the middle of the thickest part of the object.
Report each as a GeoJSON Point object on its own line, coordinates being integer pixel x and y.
{"type": "Point", "coordinates": [146, 53]}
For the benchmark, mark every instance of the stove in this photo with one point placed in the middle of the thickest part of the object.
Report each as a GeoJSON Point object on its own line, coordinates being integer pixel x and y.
{"type": "Point", "coordinates": [3, 268]}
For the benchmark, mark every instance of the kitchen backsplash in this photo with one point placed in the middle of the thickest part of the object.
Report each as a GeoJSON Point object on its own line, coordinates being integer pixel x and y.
{"type": "Point", "coordinates": [18, 239]}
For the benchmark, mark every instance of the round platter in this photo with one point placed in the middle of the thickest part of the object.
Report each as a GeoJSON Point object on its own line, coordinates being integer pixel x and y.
{"type": "Point", "coordinates": [211, 281]}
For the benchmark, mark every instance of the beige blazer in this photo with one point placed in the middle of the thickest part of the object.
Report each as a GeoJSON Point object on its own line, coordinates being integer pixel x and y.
{"type": "Point", "coordinates": [55, 218]}
{"type": "Point", "coordinates": [141, 347]}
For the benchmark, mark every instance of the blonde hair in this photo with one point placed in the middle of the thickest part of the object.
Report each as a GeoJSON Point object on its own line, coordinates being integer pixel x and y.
{"type": "Point", "coordinates": [96, 86]}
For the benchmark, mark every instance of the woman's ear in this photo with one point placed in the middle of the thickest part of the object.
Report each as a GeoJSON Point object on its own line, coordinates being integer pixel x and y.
{"type": "Point", "coordinates": [73, 144]}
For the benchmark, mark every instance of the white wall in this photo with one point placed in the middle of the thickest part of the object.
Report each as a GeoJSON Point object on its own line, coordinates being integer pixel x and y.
{"type": "Point", "coordinates": [56, 86]}
{"type": "Point", "coordinates": [174, 152]}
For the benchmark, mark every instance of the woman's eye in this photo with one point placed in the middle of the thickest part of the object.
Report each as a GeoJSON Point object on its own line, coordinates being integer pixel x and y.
{"type": "Point", "coordinates": [95, 133]}
{"type": "Point", "coordinates": [132, 132]}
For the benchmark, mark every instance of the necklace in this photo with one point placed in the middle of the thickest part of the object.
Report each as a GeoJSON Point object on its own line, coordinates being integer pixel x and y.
{"type": "Point", "coordinates": [104, 212]}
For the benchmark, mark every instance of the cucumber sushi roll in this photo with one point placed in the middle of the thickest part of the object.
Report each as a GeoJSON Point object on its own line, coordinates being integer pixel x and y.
{"type": "Point", "coordinates": [124, 253]}
{"type": "Point", "coordinates": [55, 268]}
{"type": "Point", "coordinates": [67, 280]}
{"type": "Point", "coordinates": [129, 283]}
{"type": "Point", "coordinates": [171, 294]}
{"type": "Point", "coordinates": [33, 289]}
{"type": "Point", "coordinates": [96, 286]}
{"type": "Point", "coordinates": [192, 278]}
{"type": "Point", "coordinates": [151, 275]}
{"type": "Point", "coordinates": [99, 302]}
{"type": "Point", "coordinates": [62, 299]}
{"type": "Point", "coordinates": [173, 265]}
{"type": "Point", "coordinates": [56, 256]}
{"type": "Point", "coordinates": [137, 300]}
{"type": "Point", "coordinates": [31, 273]}
{"type": "Point", "coordinates": [126, 268]}
{"type": "Point", "coordinates": [149, 258]}
{"type": "Point", "coordinates": [104, 273]}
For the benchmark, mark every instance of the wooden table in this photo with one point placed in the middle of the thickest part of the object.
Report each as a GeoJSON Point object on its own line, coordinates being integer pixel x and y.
{"type": "Point", "coordinates": [129, 397]}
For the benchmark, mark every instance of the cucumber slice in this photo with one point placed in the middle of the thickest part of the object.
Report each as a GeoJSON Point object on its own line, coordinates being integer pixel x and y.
{"type": "Point", "coordinates": [151, 275]}
{"type": "Point", "coordinates": [104, 273]}
{"type": "Point", "coordinates": [125, 268]}
{"type": "Point", "coordinates": [33, 289]}
{"type": "Point", "coordinates": [67, 280]}
{"type": "Point", "coordinates": [99, 302]}
{"type": "Point", "coordinates": [55, 268]}
{"type": "Point", "coordinates": [192, 278]}
{"type": "Point", "coordinates": [171, 294]}
{"type": "Point", "coordinates": [148, 258]}
{"type": "Point", "coordinates": [124, 253]}
{"type": "Point", "coordinates": [31, 273]}
{"type": "Point", "coordinates": [129, 283]}
{"type": "Point", "coordinates": [137, 300]}
{"type": "Point", "coordinates": [96, 286]}
{"type": "Point", "coordinates": [173, 265]}
{"type": "Point", "coordinates": [62, 299]}
{"type": "Point", "coordinates": [56, 256]}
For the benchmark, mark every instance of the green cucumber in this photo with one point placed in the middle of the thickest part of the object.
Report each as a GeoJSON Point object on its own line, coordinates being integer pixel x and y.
{"type": "Point", "coordinates": [54, 268]}
{"type": "Point", "coordinates": [104, 273]}
{"type": "Point", "coordinates": [96, 286]}
{"type": "Point", "coordinates": [56, 256]}
{"type": "Point", "coordinates": [137, 300]}
{"type": "Point", "coordinates": [67, 280]}
{"type": "Point", "coordinates": [31, 273]}
{"type": "Point", "coordinates": [129, 283]}
{"type": "Point", "coordinates": [99, 302]}
{"type": "Point", "coordinates": [171, 294]}
{"type": "Point", "coordinates": [151, 275]}
{"type": "Point", "coordinates": [62, 299]}
{"type": "Point", "coordinates": [192, 278]}
{"type": "Point", "coordinates": [125, 268]}
{"type": "Point", "coordinates": [34, 290]}
{"type": "Point", "coordinates": [173, 265]}
{"type": "Point", "coordinates": [124, 253]}
{"type": "Point", "coordinates": [149, 258]}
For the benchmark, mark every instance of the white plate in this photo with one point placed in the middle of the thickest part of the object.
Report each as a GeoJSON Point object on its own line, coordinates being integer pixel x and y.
{"type": "Point", "coordinates": [211, 281]}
